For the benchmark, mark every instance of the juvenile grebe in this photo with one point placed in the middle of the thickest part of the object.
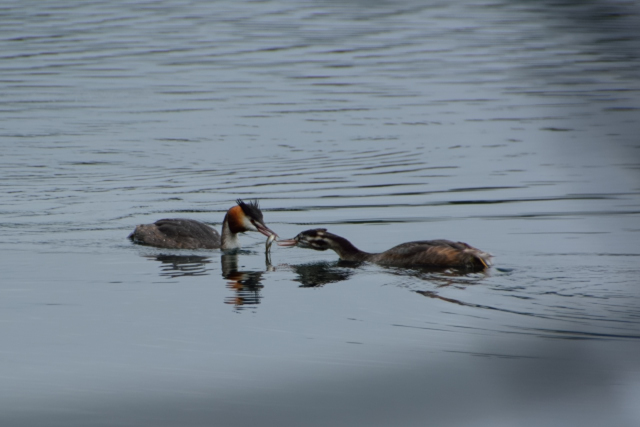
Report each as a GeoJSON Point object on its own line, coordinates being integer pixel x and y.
{"type": "Point", "coordinates": [190, 234]}
{"type": "Point", "coordinates": [428, 253]}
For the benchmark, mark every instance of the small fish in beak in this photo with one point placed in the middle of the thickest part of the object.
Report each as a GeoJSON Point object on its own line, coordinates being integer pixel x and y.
{"type": "Point", "coordinates": [270, 241]}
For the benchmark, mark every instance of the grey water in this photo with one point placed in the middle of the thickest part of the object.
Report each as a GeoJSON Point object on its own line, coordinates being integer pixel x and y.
{"type": "Point", "coordinates": [510, 125]}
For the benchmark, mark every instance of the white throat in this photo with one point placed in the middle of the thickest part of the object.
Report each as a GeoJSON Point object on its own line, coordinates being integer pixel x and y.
{"type": "Point", "coordinates": [229, 240]}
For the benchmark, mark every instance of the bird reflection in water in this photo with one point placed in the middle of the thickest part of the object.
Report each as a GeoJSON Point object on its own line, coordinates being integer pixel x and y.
{"type": "Point", "coordinates": [244, 284]}
{"type": "Point", "coordinates": [182, 265]}
{"type": "Point", "coordinates": [320, 273]}
{"type": "Point", "coordinates": [441, 277]}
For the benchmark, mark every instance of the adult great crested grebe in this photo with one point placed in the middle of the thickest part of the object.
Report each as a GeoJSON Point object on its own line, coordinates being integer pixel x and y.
{"type": "Point", "coordinates": [427, 253]}
{"type": "Point", "coordinates": [190, 234]}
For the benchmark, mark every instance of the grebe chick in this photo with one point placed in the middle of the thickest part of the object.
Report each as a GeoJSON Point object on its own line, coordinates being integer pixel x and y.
{"type": "Point", "coordinates": [426, 253]}
{"type": "Point", "coordinates": [190, 234]}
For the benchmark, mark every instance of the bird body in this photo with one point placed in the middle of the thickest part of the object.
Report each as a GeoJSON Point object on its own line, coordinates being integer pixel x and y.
{"type": "Point", "coordinates": [432, 253]}
{"type": "Point", "coordinates": [179, 233]}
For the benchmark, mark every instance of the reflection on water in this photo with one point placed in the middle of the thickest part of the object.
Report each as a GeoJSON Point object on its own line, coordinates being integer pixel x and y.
{"type": "Point", "coordinates": [317, 274]}
{"type": "Point", "coordinates": [245, 285]}
{"type": "Point", "coordinates": [182, 265]}
{"type": "Point", "coordinates": [442, 277]}
{"type": "Point", "coordinates": [247, 288]}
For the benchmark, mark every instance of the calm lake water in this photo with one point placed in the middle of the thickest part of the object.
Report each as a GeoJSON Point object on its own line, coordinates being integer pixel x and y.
{"type": "Point", "coordinates": [510, 125]}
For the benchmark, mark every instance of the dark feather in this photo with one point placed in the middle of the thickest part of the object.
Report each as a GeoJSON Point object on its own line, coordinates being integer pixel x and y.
{"type": "Point", "coordinates": [251, 209]}
{"type": "Point", "coordinates": [177, 233]}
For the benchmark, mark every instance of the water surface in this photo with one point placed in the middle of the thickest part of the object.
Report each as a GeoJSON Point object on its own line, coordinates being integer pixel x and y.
{"type": "Point", "coordinates": [511, 126]}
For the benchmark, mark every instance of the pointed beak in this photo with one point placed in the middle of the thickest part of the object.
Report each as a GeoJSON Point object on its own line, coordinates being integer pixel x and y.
{"type": "Point", "coordinates": [264, 229]}
{"type": "Point", "coordinates": [287, 242]}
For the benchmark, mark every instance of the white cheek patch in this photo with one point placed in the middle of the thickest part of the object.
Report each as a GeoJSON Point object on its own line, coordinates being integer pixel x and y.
{"type": "Point", "coordinates": [248, 224]}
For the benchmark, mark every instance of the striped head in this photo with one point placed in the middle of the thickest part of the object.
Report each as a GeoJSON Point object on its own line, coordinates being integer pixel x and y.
{"type": "Point", "coordinates": [318, 239]}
